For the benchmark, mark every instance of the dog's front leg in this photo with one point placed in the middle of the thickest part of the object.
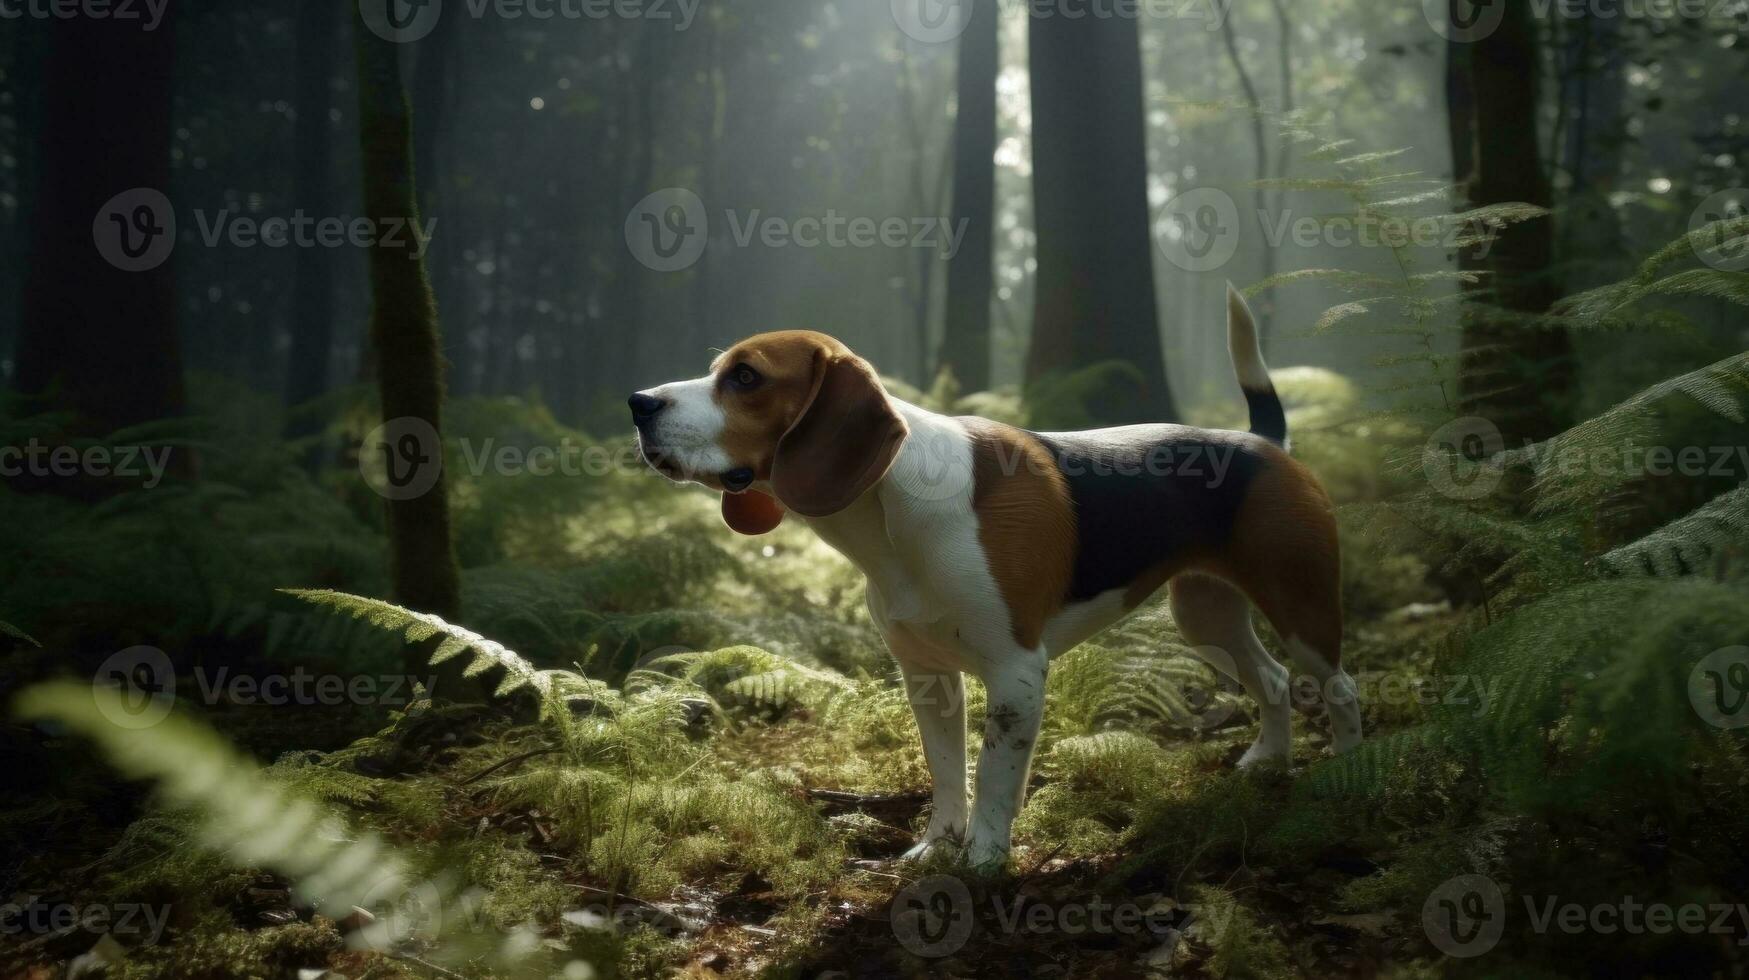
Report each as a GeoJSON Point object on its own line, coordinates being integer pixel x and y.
{"type": "Point", "coordinates": [938, 701]}
{"type": "Point", "coordinates": [1016, 687]}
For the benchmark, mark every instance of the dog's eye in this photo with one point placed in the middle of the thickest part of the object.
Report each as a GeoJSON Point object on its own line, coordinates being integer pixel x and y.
{"type": "Point", "coordinates": [744, 377]}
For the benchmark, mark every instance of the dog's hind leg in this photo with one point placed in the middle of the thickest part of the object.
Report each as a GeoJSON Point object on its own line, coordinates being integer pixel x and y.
{"type": "Point", "coordinates": [1299, 590]}
{"type": "Point", "coordinates": [1287, 557]}
{"type": "Point", "coordinates": [1216, 616]}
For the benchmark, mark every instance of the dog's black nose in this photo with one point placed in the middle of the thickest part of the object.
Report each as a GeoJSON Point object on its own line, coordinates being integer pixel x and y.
{"type": "Point", "coordinates": [644, 407]}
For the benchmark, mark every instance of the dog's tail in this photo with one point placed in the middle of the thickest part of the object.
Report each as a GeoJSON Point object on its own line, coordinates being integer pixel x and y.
{"type": "Point", "coordinates": [1267, 418]}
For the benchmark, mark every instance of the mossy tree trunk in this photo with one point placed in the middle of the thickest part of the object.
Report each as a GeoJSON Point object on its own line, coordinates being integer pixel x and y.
{"type": "Point", "coordinates": [404, 327]}
{"type": "Point", "coordinates": [1095, 297]}
{"type": "Point", "coordinates": [1516, 376]}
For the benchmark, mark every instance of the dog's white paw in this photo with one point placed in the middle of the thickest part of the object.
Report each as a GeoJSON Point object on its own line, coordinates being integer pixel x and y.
{"type": "Point", "coordinates": [1260, 754]}
{"type": "Point", "coordinates": [985, 858]}
{"type": "Point", "coordinates": [929, 847]}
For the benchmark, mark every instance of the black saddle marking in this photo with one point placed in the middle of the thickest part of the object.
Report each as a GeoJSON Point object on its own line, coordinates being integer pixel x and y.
{"type": "Point", "coordinates": [1143, 494]}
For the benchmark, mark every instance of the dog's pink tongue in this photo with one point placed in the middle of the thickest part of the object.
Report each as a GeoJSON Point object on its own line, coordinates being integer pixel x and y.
{"type": "Point", "coordinates": [752, 512]}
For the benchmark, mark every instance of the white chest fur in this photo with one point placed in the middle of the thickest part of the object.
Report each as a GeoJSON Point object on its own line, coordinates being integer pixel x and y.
{"type": "Point", "coordinates": [915, 536]}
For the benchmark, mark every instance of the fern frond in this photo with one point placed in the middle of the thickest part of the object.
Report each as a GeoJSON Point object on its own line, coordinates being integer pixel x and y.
{"type": "Point", "coordinates": [1364, 159]}
{"type": "Point", "coordinates": [742, 674]}
{"type": "Point", "coordinates": [1722, 387]}
{"type": "Point", "coordinates": [1688, 544]}
{"type": "Point", "coordinates": [246, 816]}
{"type": "Point", "coordinates": [1340, 278]}
{"type": "Point", "coordinates": [7, 629]}
{"type": "Point", "coordinates": [1337, 314]}
{"type": "Point", "coordinates": [454, 641]}
{"type": "Point", "coordinates": [1499, 216]}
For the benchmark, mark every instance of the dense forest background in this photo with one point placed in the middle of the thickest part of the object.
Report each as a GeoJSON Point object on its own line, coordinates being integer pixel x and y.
{"type": "Point", "coordinates": [537, 138]}
{"type": "Point", "coordinates": [1500, 257]}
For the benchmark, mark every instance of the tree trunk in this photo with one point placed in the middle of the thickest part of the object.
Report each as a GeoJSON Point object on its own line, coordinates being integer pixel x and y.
{"type": "Point", "coordinates": [98, 333]}
{"type": "Point", "coordinates": [1095, 283]}
{"type": "Point", "coordinates": [312, 328]}
{"type": "Point", "coordinates": [1517, 377]}
{"type": "Point", "coordinates": [965, 347]}
{"type": "Point", "coordinates": [433, 104]}
{"type": "Point", "coordinates": [404, 332]}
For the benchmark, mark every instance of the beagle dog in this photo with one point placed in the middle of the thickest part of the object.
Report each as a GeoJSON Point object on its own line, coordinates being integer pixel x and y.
{"type": "Point", "coordinates": [991, 549]}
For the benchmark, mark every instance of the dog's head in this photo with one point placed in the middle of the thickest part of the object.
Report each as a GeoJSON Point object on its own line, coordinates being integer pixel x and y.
{"type": "Point", "coordinates": [793, 412]}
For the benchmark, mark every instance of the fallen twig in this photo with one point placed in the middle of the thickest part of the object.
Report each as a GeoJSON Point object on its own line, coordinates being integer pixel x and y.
{"type": "Point", "coordinates": [520, 757]}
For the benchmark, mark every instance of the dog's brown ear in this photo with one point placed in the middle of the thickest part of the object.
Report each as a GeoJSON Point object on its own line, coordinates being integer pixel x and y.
{"type": "Point", "coordinates": [844, 441]}
{"type": "Point", "coordinates": [751, 512]}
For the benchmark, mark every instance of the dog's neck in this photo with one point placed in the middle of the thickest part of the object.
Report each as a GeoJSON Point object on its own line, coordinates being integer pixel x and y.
{"type": "Point", "coordinates": [928, 486]}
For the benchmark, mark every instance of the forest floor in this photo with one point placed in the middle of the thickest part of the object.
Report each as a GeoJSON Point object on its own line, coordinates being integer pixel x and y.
{"type": "Point", "coordinates": [1061, 910]}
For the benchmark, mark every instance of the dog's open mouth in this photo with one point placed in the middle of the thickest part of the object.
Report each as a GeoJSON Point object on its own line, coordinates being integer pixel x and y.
{"type": "Point", "coordinates": [660, 460]}
{"type": "Point", "coordinates": [664, 462]}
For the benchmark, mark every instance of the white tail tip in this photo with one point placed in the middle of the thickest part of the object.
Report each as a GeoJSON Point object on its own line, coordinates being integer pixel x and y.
{"type": "Point", "coordinates": [1242, 343]}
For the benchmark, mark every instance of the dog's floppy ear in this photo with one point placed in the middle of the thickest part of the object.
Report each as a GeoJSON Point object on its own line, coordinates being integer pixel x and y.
{"type": "Point", "coordinates": [844, 441]}
{"type": "Point", "coordinates": [751, 512]}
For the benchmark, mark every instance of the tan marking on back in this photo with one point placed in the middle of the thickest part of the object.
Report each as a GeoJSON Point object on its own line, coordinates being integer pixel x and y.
{"type": "Point", "coordinates": [1026, 524]}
